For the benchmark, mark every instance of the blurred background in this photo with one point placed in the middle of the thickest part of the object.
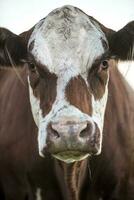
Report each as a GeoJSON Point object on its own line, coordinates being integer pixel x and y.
{"type": "Point", "coordinates": [21, 15]}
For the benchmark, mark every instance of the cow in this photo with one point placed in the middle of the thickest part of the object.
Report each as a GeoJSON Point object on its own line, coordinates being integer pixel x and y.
{"type": "Point", "coordinates": [66, 112]}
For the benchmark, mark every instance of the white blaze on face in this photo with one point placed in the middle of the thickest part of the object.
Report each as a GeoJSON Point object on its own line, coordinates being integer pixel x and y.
{"type": "Point", "coordinates": [35, 104]}
{"type": "Point", "coordinates": [67, 43]}
{"type": "Point", "coordinates": [99, 109]}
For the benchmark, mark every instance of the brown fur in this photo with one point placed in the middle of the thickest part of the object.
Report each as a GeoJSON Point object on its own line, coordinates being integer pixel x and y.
{"type": "Point", "coordinates": [44, 88]}
{"type": "Point", "coordinates": [97, 79]}
{"type": "Point", "coordinates": [77, 94]}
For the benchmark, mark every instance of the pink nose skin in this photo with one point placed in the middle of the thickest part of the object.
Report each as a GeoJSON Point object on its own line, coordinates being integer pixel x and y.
{"type": "Point", "coordinates": [70, 130]}
{"type": "Point", "coordinates": [71, 136]}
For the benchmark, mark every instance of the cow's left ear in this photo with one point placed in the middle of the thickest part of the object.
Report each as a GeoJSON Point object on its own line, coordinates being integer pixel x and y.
{"type": "Point", "coordinates": [121, 43]}
{"type": "Point", "coordinates": [12, 49]}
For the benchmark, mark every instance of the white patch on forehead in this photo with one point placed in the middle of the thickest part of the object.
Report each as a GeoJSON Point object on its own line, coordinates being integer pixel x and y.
{"type": "Point", "coordinates": [67, 46]}
{"type": "Point", "coordinates": [67, 39]}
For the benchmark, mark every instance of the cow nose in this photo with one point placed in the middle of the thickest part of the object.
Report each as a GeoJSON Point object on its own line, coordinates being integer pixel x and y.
{"type": "Point", "coordinates": [71, 141]}
{"type": "Point", "coordinates": [70, 130]}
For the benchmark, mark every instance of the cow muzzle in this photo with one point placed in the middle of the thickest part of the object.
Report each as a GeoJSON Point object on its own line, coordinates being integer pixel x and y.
{"type": "Point", "coordinates": [72, 140]}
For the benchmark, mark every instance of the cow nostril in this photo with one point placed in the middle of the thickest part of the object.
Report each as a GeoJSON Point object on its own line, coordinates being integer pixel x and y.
{"type": "Point", "coordinates": [86, 132]}
{"type": "Point", "coordinates": [53, 133]}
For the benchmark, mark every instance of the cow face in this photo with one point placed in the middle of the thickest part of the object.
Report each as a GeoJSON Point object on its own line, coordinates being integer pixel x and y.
{"type": "Point", "coordinates": [68, 72]}
{"type": "Point", "coordinates": [68, 83]}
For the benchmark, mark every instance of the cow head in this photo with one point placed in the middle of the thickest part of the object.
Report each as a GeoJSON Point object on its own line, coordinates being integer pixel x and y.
{"type": "Point", "coordinates": [67, 56]}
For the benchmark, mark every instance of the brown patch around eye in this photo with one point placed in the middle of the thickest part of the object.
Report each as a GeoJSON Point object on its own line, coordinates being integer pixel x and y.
{"type": "Point", "coordinates": [97, 79]}
{"type": "Point", "coordinates": [47, 92]}
{"type": "Point", "coordinates": [78, 95]}
{"type": "Point", "coordinates": [34, 78]}
{"type": "Point", "coordinates": [43, 84]}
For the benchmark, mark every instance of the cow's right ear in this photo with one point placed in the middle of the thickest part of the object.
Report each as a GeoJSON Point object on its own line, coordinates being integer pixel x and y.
{"type": "Point", "coordinates": [121, 43]}
{"type": "Point", "coordinates": [13, 50]}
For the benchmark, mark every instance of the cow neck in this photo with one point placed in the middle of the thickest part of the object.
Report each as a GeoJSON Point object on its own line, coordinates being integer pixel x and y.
{"type": "Point", "coordinates": [71, 178]}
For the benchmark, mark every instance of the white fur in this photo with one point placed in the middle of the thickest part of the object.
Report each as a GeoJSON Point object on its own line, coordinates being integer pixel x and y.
{"type": "Point", "coordinates": [35, 104]}
{"type": "Point", "coordinates": [61, 44]}
{"type": "Point", "coordinates": [67, 48]}
{"type": "Point", "coordinates": [38, 194]}
{"type": "Point", "coordinates": [99, 107]}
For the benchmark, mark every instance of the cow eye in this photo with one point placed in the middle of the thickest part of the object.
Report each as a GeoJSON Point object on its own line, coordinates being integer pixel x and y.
{"type": "Point", "coordinates": [104, 64]}
{"type": "Point", "coordinates": [32, 67]}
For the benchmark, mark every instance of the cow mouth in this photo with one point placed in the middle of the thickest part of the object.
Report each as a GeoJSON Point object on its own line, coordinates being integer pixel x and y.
{"type": "Point", "coordinates": [71, 156]}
